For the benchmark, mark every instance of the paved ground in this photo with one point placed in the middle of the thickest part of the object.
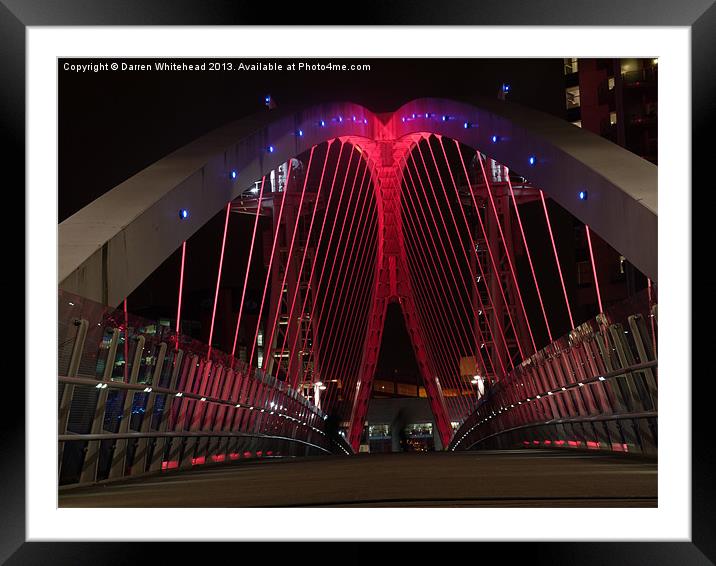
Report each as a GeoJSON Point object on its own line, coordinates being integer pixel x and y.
{"type": "Point", "coordinates": [520, 478]}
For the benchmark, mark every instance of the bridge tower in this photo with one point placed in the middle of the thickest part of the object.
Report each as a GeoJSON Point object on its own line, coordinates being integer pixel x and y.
{"type": "Point", "coordinates": [392, 284]}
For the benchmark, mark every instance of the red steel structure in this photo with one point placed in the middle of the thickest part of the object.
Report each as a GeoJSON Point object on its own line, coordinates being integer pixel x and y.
{"type": "Point", "coordinates": [417, 221]}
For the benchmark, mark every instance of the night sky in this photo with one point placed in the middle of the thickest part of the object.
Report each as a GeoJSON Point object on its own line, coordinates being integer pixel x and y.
{"type": "Point", "coordinates": [114, 124]}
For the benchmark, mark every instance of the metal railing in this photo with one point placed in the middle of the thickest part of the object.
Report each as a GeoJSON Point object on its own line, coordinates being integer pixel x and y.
{"type": "Point", "coordinates": [595, 388]}
{"type": "Point", "coordinates": [136, 398]}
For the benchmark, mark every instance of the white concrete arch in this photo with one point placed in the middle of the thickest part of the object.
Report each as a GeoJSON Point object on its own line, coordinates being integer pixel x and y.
{"type": "Point", "coordinates": [113, 244]}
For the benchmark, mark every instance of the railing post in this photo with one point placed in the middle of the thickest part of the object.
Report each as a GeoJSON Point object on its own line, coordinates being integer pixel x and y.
{"type": "Point", "coordinates": [155, 463]}
{"type": "Point", "coordinates": [119, 454]}
{"type": "Point", "coordinates": [68, 390]}
{"type": "Point", "coordinates": [140, 458]}
{"type": "Point", "coordinates": [91, 461]}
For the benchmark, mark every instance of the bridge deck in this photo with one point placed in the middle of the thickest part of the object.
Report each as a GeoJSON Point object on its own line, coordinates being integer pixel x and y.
{"type": "Point", "coordinates": [524, 478]}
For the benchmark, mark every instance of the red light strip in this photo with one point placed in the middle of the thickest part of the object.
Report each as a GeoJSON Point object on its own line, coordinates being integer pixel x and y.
{"type": "Point", "coordinates": [268, 271]}
{"type": "Point", "coordinates": [556, 258]}
{"type": "Point", "coordinates": [269, 343]}
{"type": "Point", "coordinates": [218, 277]}
{"type": "Point", "coordinates": [529, 255]}
{"type": "Point", "coordinates": [248, 267]}
{"type": "Point", "coordinates": [305, 250]}
{"type": "Point", "coordinates": [507, 252]}
{"type": "Point", "coordinates": [594, 269]}
{"type": "Point", "coordinates": [181, 288]}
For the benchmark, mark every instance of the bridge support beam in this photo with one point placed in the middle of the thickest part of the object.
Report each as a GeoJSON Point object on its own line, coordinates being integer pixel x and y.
{"type": "Point", "coordinates": [392, 284]}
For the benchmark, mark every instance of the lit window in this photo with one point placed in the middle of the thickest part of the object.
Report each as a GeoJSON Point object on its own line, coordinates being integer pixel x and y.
{"type": "Point", "coordinates": [578, 123]}
{"type": "Point", "coordinates": [260, 338]}
{"type": "Point", "coordinates": [611, 83]}
{"type": "Point", "coordinates": [612, 118]}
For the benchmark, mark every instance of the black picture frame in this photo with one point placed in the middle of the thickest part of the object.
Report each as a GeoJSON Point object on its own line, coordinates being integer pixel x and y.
{"type": "Point", "coordinates": [698, 15]}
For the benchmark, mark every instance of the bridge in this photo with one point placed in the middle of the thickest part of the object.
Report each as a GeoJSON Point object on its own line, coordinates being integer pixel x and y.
{"type": "Point", "coordinates": [448, 210]}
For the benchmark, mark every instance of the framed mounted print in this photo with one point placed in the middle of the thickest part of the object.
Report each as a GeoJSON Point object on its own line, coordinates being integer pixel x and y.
{"type": "Point", "coordinates": [359, 283]}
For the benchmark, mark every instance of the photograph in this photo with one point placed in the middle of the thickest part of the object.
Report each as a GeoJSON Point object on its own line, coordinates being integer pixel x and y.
{"type": "Point", "coordinates": [357, 282]}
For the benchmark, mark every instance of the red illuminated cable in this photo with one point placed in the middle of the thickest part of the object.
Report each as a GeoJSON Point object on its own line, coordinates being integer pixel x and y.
{"type": "Point", "coordinates": [508, 252]}
{"type": "Point", "coordinates": [248, 267]}
{"type": "Point", "coordinates": [455, 255]}
{"type": "Point", "coordinates": [357, 241]}
{"type": "Point", "coordinates": [317, 310]}
{"type": "Point", "coordinates": [429, 282]}
{"type": "Point", "coordinates": [317, 250]}
{"type": "Point", "coordinates": [342, 359]}
{"type": "Point", "coordinates": [271, 257]}
{"type": "Point", "coordinates": [367, 226]}
{"type": "Point", "coordinates": [467, 228]}
{"type": "Point", "coordinates": [436, 271]}
{"type": "Point", "coordinates": [316, 316]}
{"type": "Point", "coordinates": [305, 250]}
{"type": "Point", "coordinates": [218, 278]}
{"type": "Point", "coordinates": [529, 255]}
{"type": "Point", "coordinates": [556, 258]}
{"type": "Point", "coordinates": [594, 269]}
{"type": "Point", "coordinates": [471, 245]}
{"type": "Point", "coordinates": [477, 260]}
{"type": "Point", "coordinates": [494, 267]}
{"type": "Point", "coordinates": [354, 240]}
{"type": "Point", "coordinates": [431, 328]}
{"type": "Point", "coordinates": [348, 301]}
{"type": "Point", "coordinates": [269, 344]}
{"type": "Point", "coordinates": [181, 288]}
{"type": "Point", "coordinates": [363, 258]}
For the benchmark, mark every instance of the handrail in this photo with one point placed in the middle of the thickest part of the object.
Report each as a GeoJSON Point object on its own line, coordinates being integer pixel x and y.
{"type": "Point", "coordinates": [557, 391]}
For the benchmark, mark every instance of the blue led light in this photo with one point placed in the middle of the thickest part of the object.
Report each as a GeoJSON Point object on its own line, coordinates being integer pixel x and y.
{"type": "Point", "coordinates": [270, 149]}
{"type": "Point", "coordinates": [322, 123]}
{"type": "Point", "coordinates": [267, 99]}
{"type": "Point", "coordinates": [505, 87]}
{"type": "Point", "coordinates": [403, 119]}
{"type": "Point", "coordinates": [299, 133]}
{"type": "Point", "coordinates": [365, 120]}
{"type": "Point", "coordinates": [413, 116]}
{"type": "Point", "coordinates": [494, 139]}
{"type": "Point", "coordinates": [183, 214]}
{"type": "Point", "coordinates": [466, 125]}
{"type": "Point", "coordinates": [445, 118]}
{"type": "Point", "coordinates": [582, 195]}
{"type": "Point", "coordinates": [340, 118]}
{"type": "Point", "coordinates": [354, 118]}
{"type": "Point", "coordinates": [532, 160]}
{"type": "Point", "coordinates": [427, 114]}
{"type": "Point", "coordinates": [233, 174]}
